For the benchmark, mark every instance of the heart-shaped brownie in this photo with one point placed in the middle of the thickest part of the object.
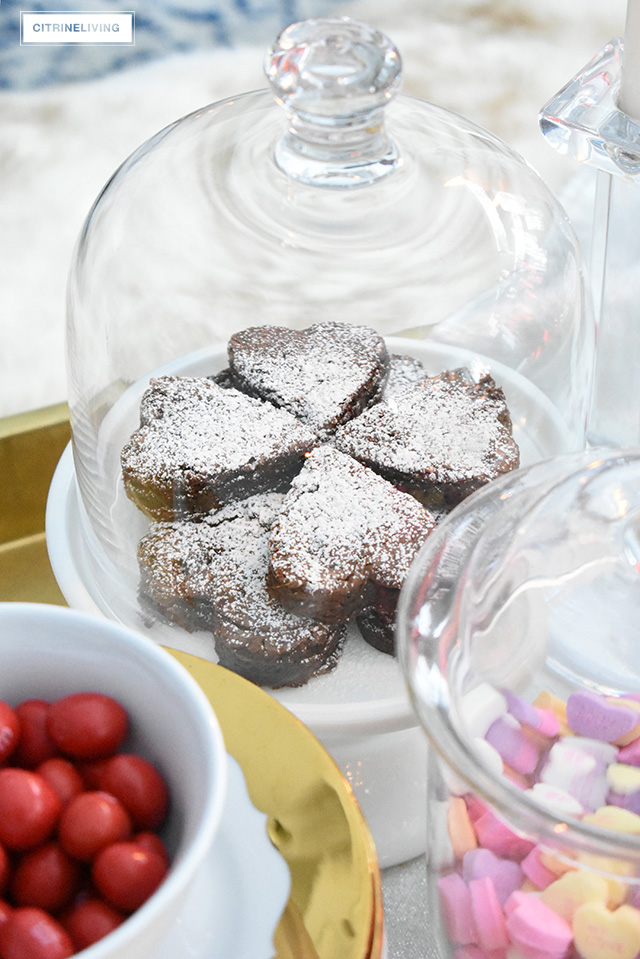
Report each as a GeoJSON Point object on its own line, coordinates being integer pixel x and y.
{"type": "Point", "coordinates": [209, 573]}
{"type": "Point", "coordinates": [441, 438]}
{"type": "Point", "coordinates": [340, 531]}
{"type": "Point", "coordinates": [324, 375]}
{"type": "Point", "coordinates": [200, 446]}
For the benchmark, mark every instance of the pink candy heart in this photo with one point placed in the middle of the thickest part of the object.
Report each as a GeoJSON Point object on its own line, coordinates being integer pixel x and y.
{"type": "Point", "coordinates": [595, 717]}
{"type": "Point", "coordinates": [493, 834]}
{"type": "Point", "coordinates": [535, 927]}
{"type": "Point", "coordinates": [455, 903]}
{"type": "Point", "coordinates": [506, 735]}
{"type": "Point", "coordinates": [505, 874]}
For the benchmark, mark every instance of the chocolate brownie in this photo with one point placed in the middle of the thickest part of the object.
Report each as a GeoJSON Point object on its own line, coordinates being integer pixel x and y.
{"type": "Point", "coordinates": [440, 439]}
{"type": "Point", "coordinates": [377, 622]}
{"type": "Point", "coordinates": [341, 530]}
{"type": "Point", "coordinates": [403, 371]}
{"type": "Point", "coordinates": [325, 374]}
{"type": "Point", "coordinates": [200, 446]}
{"type": "Point", "coordinates": [209, 573]}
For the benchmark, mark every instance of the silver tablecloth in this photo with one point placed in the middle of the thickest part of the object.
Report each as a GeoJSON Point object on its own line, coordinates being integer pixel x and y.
{"type": "Point", "coordinates": [404, 891]}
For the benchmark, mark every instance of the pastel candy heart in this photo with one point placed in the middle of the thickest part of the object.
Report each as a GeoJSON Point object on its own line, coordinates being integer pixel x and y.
{"type": "Point", "coordinates": [623, 778]}
{"type": "Point", "coordinates": [505, 874]}
{"type": "Point", "coordinates": [597, 717]}
{"type": "Point", "coordinates": [558, 866]}
{"type": "Point", "coordinates": [476, 952]}
{"type": "Point", "coordinates": [493, 834]}
{"type": "Point", "coordinates": [506, 735]}
{"type": "Point", "coordinates": [533, 925]}
{"type": "Point", "coordinates": [514, 900]}
{"type": "Point", "coordinates": [566, 763]}
{"type": "Point", "coordinates": [601, 934]}
{"type": "Point", "coordinates": [547, 701]}
{"type": "Point", "coordinates": [520, 709]}
{"type": "Point", "coordinates": [602, 752]}
{"type": "Point", "coordinates": [542, 720]}
{"type": "Point", "coordinates": [480, 707]}
{"type": "Point", "coordinates": [475, 807]}
{"type": "Point", "coordinates": [455, 906]}
{"type": "Point", "coordinates": [557, 800]}
{"type": "Point", "coordinates": [440, 850]}
{"type": "Point", "coordinates": [460, 828]}
{"type": "Point", "coordinates": [576, 771]}
{"type": "Point", "coordinates": [536, 871]}
{"type": "Point", "coordinates": [613, 817]}
{"type": "Point", "coordinates": [632, 802]}
{"type": "Point", "coordinates": [609, 867]}
{"type": "Point", "coordinates": [630, 754]}
{"type": "Point", "coordinates": [630, 703]}
{"type": "Point", "coordinates": [573, 889]}
{"type": "Point", "coordinates": [487, 915]}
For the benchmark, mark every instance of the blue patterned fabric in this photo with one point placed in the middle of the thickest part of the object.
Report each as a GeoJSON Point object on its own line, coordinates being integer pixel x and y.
{"type": "Point", "coordinates": [161, 27]}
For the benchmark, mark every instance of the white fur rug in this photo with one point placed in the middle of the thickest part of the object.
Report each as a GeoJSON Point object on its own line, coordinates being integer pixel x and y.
{"type": "Point", "coordinates": [495, 61]}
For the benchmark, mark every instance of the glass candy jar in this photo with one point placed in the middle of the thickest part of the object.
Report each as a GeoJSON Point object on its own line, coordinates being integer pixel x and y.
{"type": "Point", "coordinates": [518, 637]}
{"type": "Point", "coordinates": [328, 198]}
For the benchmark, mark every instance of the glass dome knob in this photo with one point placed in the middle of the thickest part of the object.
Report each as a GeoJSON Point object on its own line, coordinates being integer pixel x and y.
{"type": "Point", "coordinates": [333, 76]}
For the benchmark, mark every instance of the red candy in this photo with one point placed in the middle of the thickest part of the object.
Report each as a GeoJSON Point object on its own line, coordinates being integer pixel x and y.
{"type": "Point", "coordinates": [9, 730]}
{"type": "Point", "coordinates": [126, 873]}
{"type": "Point", "coordinates": [87, 725]}
{"type": "Point", "coordinates": [139, 787]}
{"type": "Point", "coordinates": [31, 933]}
{"type": "Point", "coordinates": [91, 921]}
{"type": "Point", "coordinates": [5, 870]}
{"type": "Point", "coordinates": [46, 877]}
{"type": "Point", "coordinates": [63, 776]}
{"type": "Point", "coordinates": [91, 821]}
{"type": "Point", "coordinates": [71, 868]}
{"type": "Point", "coordinates": [29, 808]}
{"type": "Point", "coordinates": [35, 744]}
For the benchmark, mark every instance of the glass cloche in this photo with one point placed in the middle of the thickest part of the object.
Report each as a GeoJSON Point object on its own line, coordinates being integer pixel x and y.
{"type": "Point", "coordinates": [326, 201]}
{"type": "Point", "coordinates": [517, 633]}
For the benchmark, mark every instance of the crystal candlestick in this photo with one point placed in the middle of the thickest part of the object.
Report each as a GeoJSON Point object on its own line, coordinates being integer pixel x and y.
{"type": "Point", "coordinates": [585, 120]}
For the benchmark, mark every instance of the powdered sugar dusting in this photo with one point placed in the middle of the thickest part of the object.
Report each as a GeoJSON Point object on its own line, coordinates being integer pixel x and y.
{"type": "Point", "coordinates": [445, 430]}
{"type": "Point", "coordinates": [218, 563]}
{"type": "Point", "coordinates": [340, 525]}
{"type": "Point", "coordinates": [321, 374]}
{"type": "Point", "coordinates": [195, 434]}
{"type": "Point", "coordinates": [403, 371]}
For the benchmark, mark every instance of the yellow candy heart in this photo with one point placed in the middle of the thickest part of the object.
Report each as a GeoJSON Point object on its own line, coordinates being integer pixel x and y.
{"type": "Point", "coordinates": [623, 778]}
{"type": "Point", "coordinates": [602, 864]}
{"type": "Point", "coordinates": [616, 818]}
{"type": "Point", "coordinates": [630, 704]}
{"type": "Point", "coordinates": [573, 889]}
{"type": "Point", "coordinates": [556, 865]}
{"type": "Point", "coordinates": [600, 934]}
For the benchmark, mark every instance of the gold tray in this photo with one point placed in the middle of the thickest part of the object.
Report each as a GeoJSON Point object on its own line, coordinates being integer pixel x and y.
{"type": "Point", "coordinates": [335, 907]}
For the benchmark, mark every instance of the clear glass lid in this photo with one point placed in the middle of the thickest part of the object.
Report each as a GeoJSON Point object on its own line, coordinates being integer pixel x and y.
{"type": "Point", "coordinates": [532, 584]}
{"type": "Point", "coordinates": [328, 198]}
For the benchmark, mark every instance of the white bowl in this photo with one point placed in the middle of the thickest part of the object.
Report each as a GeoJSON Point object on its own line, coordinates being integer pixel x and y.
{"type": "Point", "coordinates": [48, 652]}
